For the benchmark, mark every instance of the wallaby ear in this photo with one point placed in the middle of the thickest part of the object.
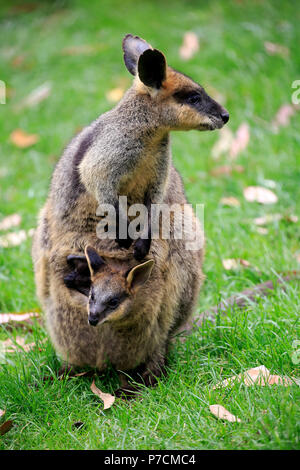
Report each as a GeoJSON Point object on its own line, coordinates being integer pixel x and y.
{"type": "Point", "coordinates": [139, 274]}
{"type": "Point", "coordinates": [133, 47]}
{"type": "Point", "coordinates": [94, 260]}
{"type": "Point", "coordinates": [152, 68]}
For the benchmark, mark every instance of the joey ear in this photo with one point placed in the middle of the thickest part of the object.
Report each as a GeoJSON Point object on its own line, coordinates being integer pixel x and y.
{"type": "Point", "coordinates": [94, 260]}
{"type": "Point", "coordinates": [77, 262]}
{"type": "Point", "coordinates": [133, 47]}
{"type": "Point", "coordinates": [152, 68]}
{"type": "Point", "coordinates": [139, 274]}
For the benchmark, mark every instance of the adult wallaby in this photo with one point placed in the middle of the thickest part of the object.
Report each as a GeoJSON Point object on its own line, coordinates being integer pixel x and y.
{"type": "Point", "coordinates": [125, 152]}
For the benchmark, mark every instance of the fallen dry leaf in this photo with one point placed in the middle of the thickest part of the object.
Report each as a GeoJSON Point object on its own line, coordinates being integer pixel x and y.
{"type": "Point", "coordinates": [257, 376]}
{"type": "Point", "coordinates": [297, 256]}
{"type": "Point", "coordinates": [115, 94]}
{"type": "Point", "coordinates": [15, 238]}
{"type": "Point", "coordinates": [23, 140]}
{"type": "Point", "coordinates": [240, 141]}
{"type": "Point", "coordinates": [190, 45]}
{"type": "Point", "coordinates": [36, 96]}
{"type": "Point", "coordinates": [107, 399]}
{"type": "Point", "coordinates": [267, 219]}
{"type": "Point", "coordinates": [226, 170]}
{"type": "Point", "coordinates": [12, 220]}
{"type": "Point", "coordinates": [283, 116]}
{"type": "Point", "coordinates": [276, 49]}
{"type": "Point", "coordinates": [292, 218]}
{"type": "Point", "coordinates": [82, 49]}
{"type": "Point", "coordinates": [260, 194]}
{"type": "Point", "coordinates": [5, 427]}
{"type": "Point", "coordinates": [18, 317]}
{"type": "Point", "coordinates": [234, 263]}
{"type": "Point", "coordinates": [223, 144]}
{"type": "Point", "coordinates": [262, 230]}
{"type": "Point", "coordinates": [230, 201]}
{"type": "Point", "coordinates": [220, 412]}
{"type": "Point", "coordinates": [9, 346]}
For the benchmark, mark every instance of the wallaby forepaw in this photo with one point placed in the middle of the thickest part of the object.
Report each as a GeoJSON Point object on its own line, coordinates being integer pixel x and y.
{"type": "Point", "coordinates": [124, 242]}
{"type": "Point", "coordinates": [141, 248]}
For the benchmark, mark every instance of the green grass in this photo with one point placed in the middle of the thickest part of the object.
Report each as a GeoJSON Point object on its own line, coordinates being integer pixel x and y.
{"type": "Point", "coordinates": [232, 59]}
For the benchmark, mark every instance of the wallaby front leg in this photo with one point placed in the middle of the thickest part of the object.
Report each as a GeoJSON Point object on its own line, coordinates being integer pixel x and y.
{"type": "Point", "coordinates": [146, 374]}
{"type": "Point", "coordinates": [143, 244]}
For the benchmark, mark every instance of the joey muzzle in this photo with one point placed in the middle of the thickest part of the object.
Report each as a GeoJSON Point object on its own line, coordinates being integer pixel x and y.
{"type": "Point", "coordinates": [96, 314]}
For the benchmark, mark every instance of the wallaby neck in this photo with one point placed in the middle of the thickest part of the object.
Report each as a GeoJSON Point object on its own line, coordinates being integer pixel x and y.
{"type": "Point", "coordinates": [137, 115]}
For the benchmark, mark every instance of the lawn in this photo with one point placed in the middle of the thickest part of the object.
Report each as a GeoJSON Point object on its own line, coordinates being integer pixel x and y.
{"type": "Point", "coordinates": [76, 47]}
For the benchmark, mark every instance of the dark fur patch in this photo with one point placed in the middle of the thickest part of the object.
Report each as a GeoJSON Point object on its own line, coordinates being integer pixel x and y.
{"type": "Point", "coordinates": [85, 144]}
{"type": "Point", "coordinates": [152, 68]}
{"type": "Point", "coordinates": [198, 99]}
{"type": "Point", "coordinates": [45, 238]}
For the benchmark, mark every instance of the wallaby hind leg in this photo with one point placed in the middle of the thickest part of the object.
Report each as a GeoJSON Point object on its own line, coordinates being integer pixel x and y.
{"type": "Point", "coordinates": [146, 374]}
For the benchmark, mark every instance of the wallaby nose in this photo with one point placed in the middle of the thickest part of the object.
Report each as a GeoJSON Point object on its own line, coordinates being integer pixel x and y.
{"type": "Point", "coordinates": [225, 116]}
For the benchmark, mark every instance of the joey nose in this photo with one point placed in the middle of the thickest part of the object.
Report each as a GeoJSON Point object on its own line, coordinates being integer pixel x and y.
{"type": "Point", "coordinates": [93, 320]}
{"type": "Point", "coordinates": [225, 116]}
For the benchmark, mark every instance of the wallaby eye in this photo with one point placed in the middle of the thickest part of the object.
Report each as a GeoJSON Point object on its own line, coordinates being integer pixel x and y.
{"type": "Point", "coordinates": [192, 99]}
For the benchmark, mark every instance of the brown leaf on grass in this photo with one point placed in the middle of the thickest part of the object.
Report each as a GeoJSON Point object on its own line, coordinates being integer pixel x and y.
{"type": "Point", "coordinates": [82, 49]}
{"type": "Point", "coordinates": [16, 317]}
{"type": "Point", "coordinates": [226, 170]}
{"type": "Point", "coordinates": [5, 427]}
{"type": "Point", "coordinates": [21, 139]}
{"type": "Point", "coordinates": [269, 218]}
{"type": "Point", "coordinates": [240, 141]}
{"type": "Point", "coordinates": [15, 238]}
{"type": "Point", "coordinates": [18, 60]}
{"type": "Point", "coordinates": [190, 46]}
{"type": "Point", "coordinates": [292, 218]}
{"type": "Point", "coordinates": [223, 144]}
{"type": "Point", "coordinates": [257, 376]}
{"type": "Point", "coordinates": [276, 49]}
{"type": "Point", "coordinates": [107, 398]}
{"type": "Point", "coordinates": [12, 220]}
{"type": "Point", "coordinates": [283, 116]}
{"type": "Point", "coordinates": [10, 346]}
{"type": "Point", "coordinates": [220, 412]}
{"type": "Point", "coordinates": [36, 96]}
{"type": "Point", "coordinates": [262, 230]}
{"type": "Point", "coordinates": [260, 194]}
{"type": "Point", "coordinates": [115, 94]}
{"type": "Point", "coordinates": [234, 263]}
{"type": "Point", "coordinates": [230, 201]}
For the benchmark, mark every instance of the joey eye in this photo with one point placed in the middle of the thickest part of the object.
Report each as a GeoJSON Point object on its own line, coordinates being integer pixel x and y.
{"type": "Point", "coordinates": [113, 303]}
